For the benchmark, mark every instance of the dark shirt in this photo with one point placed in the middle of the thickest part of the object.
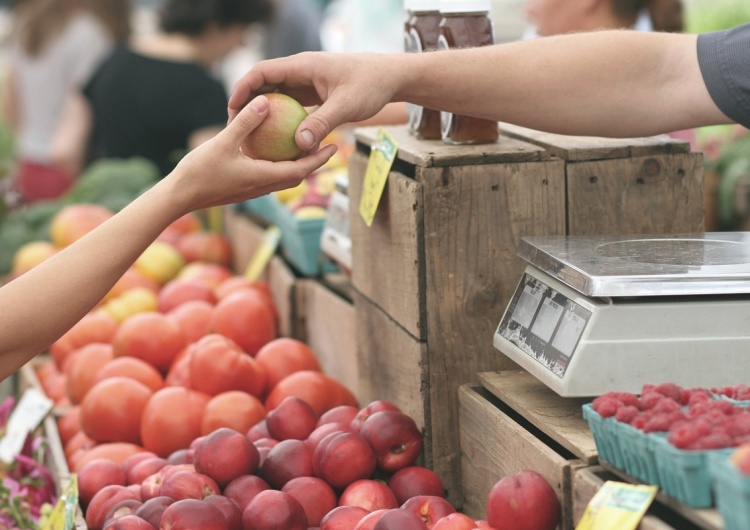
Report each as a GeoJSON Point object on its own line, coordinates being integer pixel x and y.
{"type": "Point", "coordinates": [724, 58]}
{"type": "Point", "coordinates": [149, 107]}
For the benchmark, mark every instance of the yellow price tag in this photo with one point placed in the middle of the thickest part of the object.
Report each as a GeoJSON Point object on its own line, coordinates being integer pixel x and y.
{"type": "Point", "coordinates": [617, 506]}
{"type": "Point", "coordinates": [382, 155]}
{"type": "Point", "coordinates": [216, 219]}
{"type": "Point", "coordinates": [63, 514]}
{"type": "Point", "coordinates": [264, 253]}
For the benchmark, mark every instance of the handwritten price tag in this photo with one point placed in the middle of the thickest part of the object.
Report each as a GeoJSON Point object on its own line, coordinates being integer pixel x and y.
{"type": "Point", "coordinates": [381, 159]}
{"type": "Point", "coordinates": [617, 506]}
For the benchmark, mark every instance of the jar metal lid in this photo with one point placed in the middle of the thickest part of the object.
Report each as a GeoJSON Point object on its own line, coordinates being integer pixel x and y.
{"type": "Point", "coordinates": [423, 5]}
{"type": "Point", "coordinates": [464, 6]}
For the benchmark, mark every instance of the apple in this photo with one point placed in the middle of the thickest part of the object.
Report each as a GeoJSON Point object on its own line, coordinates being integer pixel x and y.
{"type": "Point", "coordinates": [257, 431]}
{"type": "Point", "coordinates": [194, 319]}
{"type": "Point", "coordinates": [369, 494]}
{"type": "Point", "coordinates": [192, 514]}
{"type": "Point", "coordinates": [151, 485]}
{"type": "Point", "coordinates": [152, 510]}
{"type": "Point", "coordinates": [369, 521]}
{"type": "Point", "coordinates": [370, 409]}
{"type": "Point", "coordinates": [206, 247]}
{"type": "Point", "coordinates": [429, 508]}
{"type": "Point", "coordinates": [181, 456]}
{"type": "Point", "coordinates": [125, 507]}
{"type": "Point", "coordinates": [145, 468]}
{"type": "Point", "coordinates": [455, 521]}
{"type": "Point", "coordinates": [274, 139]}
{"type": "Point", "coordinates": [523, 501]}
{"type": "Point", "coordinates": [75, 221]}
{"type": "Point", "coordinates": [343, 518]}
{"type": "Point", "coordinates": [96, 474]}
{"type": "Point", "coordinates": [394, 437]}
{"type": "Point", "coordinates": [293, 418]}
{"type": "Point", "coordinates": [224, 455]}
{"type": "Point", "coordinates": [229, 508]}
{"type": "Point", "coordinates": [177, 292]}
{"type": "Point", "coordinates": [315, 495]}
{"type": "Point", "coordinates": [324, 430]}
{"type": "Point", "coordinates": [129, 522]}
{"type": "Point", "coordinates": [189, 485]}
{"type": "Point", "coordinates": [343, 457]}
{"type": "Point", "coordinates": [243, 489]}
{"type": "Point", "coordinates": [103, 501]}
{"type": "Point", "coordinates": [274, 510]}
{"type": "Point", "coordinates": [342, 413]}
{"type": "Point", "coordinates": [411, 481]}
{"type": "Point", "coordinates": [398, 519]}
{"type": "Point", "coordinates": [29, 255]}
{"type": "Point", "coordinates": [286, 460]}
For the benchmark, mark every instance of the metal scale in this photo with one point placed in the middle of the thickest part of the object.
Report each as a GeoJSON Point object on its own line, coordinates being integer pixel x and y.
{"type": "Point", "coordinates": [595, 314]}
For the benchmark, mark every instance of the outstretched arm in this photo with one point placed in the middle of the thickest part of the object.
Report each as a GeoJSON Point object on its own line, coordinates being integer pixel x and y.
{"type": "Point", "coordinates": [605, 83]}
{"type": "Point", "coordinates": [42, 304]}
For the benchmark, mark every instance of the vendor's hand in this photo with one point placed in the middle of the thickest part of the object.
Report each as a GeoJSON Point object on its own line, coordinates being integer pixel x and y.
{"type": "Point", "coordinates": [217, 172]}
{"type": "Point", "coordinates": [348, 88]}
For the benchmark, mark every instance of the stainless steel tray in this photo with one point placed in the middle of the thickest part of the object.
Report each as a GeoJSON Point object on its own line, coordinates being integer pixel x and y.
{"type": "Point", "coordinates": [711, 263]}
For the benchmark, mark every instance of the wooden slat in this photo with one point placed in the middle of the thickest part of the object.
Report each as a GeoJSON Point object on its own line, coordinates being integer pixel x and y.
{"type": "Point", "coordinates": [435, 153]}
{"type": "Point", "coordinates": [636, 195]}
{"type": "Point", "coordinates": [559, 418]}
{"type": "Point", "coordinates": [388, 257]}
{"type": "Point", "coordinates": [331, 333]}
{"type": "Point", "coordinates": [577, 148]}
{"type": "Point", "coordinates": [494, 445]}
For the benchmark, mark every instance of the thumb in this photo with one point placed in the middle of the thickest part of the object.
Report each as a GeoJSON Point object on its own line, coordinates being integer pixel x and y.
{"type": "Point", "coordinates": [318, 124]}
{"type": "Point", "coordinates": [247, 119]}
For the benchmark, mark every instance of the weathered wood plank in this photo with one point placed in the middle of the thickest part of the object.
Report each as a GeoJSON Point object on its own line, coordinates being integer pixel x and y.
{"type": "Point", "coordinates": [388, 256]}
{"type": "Point", "coordinates": [494, 445]}
{"type": "Point", "coordinates": [638, 195]}
{"type": "Point", "coordinates": [560, 418]}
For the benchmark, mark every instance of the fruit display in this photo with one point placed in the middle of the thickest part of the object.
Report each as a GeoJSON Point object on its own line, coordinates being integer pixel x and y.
{"type": "Point", "coordinates": [180, 407]}
{"type": "Point", "coordinates": [668, 435]}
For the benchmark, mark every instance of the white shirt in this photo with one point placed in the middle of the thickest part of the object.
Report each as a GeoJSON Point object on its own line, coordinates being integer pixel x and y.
{"type": "Point", "coordinates": [44, 82]}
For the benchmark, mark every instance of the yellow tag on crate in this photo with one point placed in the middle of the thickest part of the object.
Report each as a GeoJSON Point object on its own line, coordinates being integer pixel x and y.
{"type": "Point", "coordinates": [617, 506]}
{"type": "Point", "coordinates": [263, 253]}
{"type": "Point", "coordinates": [382, 155]}
{"type": "Point", "coordinates": [63, 514]}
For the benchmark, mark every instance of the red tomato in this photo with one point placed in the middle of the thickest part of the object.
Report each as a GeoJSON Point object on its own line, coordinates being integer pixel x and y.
{"type": "Point", "coordinates": [321, 391]}
{"type": "Point", "coordinates": [112, 410]}
{"type": "Point", "coordinates": [172, 419]}
{"type": "Point", "coordinates": [218, 365]}
{"type": "Point", "coordinates": [151, 336]}
{"type": "Point", "coordinates": [244, 317]}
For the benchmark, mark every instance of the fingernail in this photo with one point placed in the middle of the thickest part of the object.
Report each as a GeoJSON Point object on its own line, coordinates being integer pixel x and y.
{"type": "Point", "coordinates": [308, 138]}
{"type": "Point", "coordinates": [259, 104]}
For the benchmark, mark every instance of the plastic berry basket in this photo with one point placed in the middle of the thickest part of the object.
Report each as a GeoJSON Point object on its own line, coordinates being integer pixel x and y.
{"type": "Point", "coordinates": [685, 475]}
{"type": "Point", "coordinates": [264, 207]}
{"type": "Point", "coordinates": [732, 492]}
{"type": "Point", "coordinates": [605, 433]}
{"type": "Point", "coordinates": [638, 453]}
{"type": "Point", "coordinates": [300, 242]}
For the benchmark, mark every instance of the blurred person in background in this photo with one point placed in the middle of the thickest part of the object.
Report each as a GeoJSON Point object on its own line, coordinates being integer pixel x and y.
{"type": "Point", "coordinates": [54, 47]}
{"type": "Point", "coordinates": [159, 97]}
{"type": "Point", "coordinates": [555, 17]}
{"type": "Point", "coordinates": [294, 28]}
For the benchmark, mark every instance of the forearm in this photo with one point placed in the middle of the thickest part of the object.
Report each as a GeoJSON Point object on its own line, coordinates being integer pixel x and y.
{"type": "Point", "coordinates": [77, 278]}
{"type": "Point", "coordinates": [613, 83]}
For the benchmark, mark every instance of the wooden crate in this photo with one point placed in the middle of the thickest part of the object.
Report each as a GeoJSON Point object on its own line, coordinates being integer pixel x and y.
{"type": "Point", "coordinates": [246, 235]}
{"type": "Point", "coordinates": [509, 423]}
{"type": "Point", "coordinates": [329, 326]}
{"type": "Point", "coordinates": [660, 516]}
{"type": "Point", "coordinates": [626, 186]}
{"type": "Point", "coordinates": [439, 265]}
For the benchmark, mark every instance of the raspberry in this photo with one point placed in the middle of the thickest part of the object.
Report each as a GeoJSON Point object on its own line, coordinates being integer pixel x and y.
{"type": "Point", "coordinates": [627, 398]}
{"type": "Point", "coordinates": [658, 423]}
{"type": "Point", "coordinates": [650, 399]}
{"type": "Point", "coordinates": [626, 413]}
{"type": "Point", "coordinates": [670, 390]}
{"type": "Point", "coordinates": [683, 436]}
{"type": "Point", "coordinates": [666, 406]}
{"type": "Point", "coordinates": [713, 441]}
{"type": "Point", "coordinates": [742, 393]}
{"type": "Point", "coordinates": [639, 421]}
{"type": "Point", "coordinates": [698, 408]}
{"type": "Point", "coordinates": [739, 425]}
{"type": "Point", "coordinates": [606, 405]}
{"type": "Point", "coordinates": [726, 407]}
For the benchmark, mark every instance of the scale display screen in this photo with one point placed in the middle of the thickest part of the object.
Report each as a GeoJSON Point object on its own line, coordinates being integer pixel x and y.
{"type": "Point", "coordinates": [544, 323]}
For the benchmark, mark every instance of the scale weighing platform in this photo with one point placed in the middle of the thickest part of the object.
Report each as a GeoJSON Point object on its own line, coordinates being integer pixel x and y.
{"type": "Point", "coordinates": [594, 314]}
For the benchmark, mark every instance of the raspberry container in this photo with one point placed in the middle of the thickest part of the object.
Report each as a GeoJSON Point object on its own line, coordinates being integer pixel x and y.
{"type": "Point", "coordinates": [732, 490]}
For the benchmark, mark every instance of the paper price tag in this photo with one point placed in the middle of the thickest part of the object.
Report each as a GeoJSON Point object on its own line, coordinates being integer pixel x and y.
{"type": "Point", "coordinates": [264, 253]}
{"type": "Point", "coordinates": [28, 414]}
{"type": "Point", "coordinates": [382, 155]}
{"type": "Point", "coordinates": [63, 514]}
{"type": "Point", "coordinates": [617, 506]}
